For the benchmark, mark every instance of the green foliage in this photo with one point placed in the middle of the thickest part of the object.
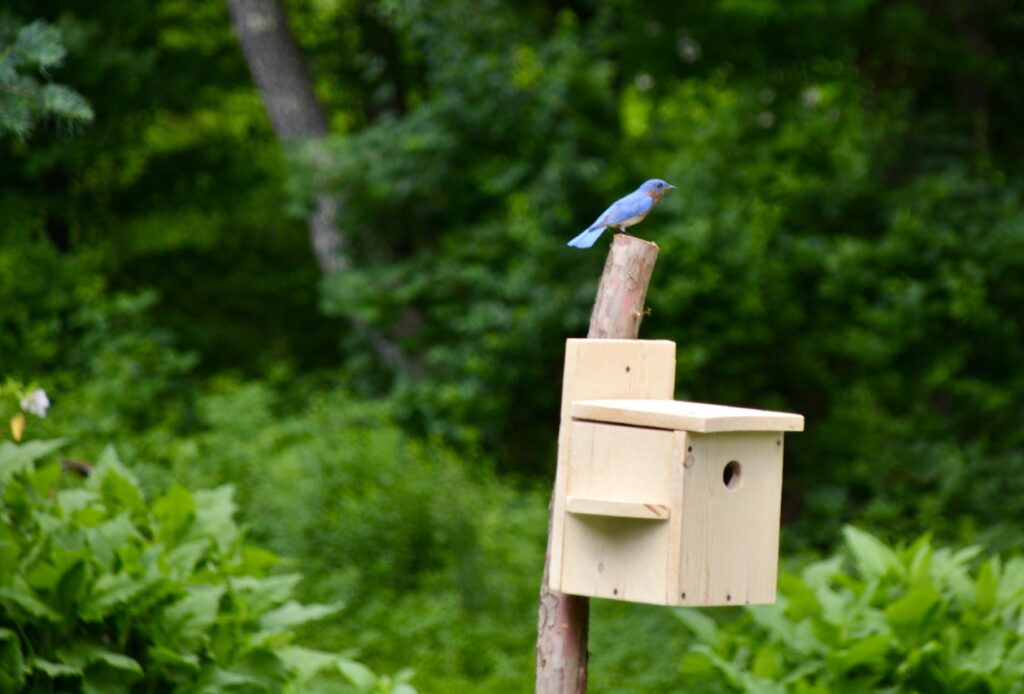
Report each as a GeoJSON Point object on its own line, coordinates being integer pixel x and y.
{"type": "Point", "coordinates": [832, 220]}
{"type": "Point", "coordinates": [100, 591]}
{"type": "Point", "coordinates": [430, 554]}
{"type": "Point", "coordinates": [809, 286]}
{"type": "Point", "coordinates": [27, 52]}
{"type": "Point", "coordinates": [874, 618]}
{"type": "Point", "coordinates": [846, 241]}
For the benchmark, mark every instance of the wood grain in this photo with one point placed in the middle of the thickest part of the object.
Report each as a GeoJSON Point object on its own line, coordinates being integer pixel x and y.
{"type": "Point", "coordinates": [685, 416]}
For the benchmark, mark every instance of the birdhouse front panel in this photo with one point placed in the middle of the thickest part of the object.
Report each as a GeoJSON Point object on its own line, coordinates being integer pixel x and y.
{"type": "Point", "coordinates": [732, 492]}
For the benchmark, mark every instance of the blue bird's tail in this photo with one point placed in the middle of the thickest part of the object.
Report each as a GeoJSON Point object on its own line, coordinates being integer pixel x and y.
{"type": "Point", "coordinates": [587, 238]}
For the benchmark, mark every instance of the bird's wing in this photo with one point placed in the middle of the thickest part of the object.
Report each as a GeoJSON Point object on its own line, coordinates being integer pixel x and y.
{"type": "Point", "coordinates": [636, 204]}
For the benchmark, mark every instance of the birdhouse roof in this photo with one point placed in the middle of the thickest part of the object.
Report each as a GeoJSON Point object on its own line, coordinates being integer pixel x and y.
{"type": "Point", "coordinates": [685, 416]}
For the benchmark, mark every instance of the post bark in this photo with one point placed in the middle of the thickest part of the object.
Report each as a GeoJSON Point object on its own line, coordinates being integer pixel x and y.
{"type": "Point", "coordinates": [563, 620]}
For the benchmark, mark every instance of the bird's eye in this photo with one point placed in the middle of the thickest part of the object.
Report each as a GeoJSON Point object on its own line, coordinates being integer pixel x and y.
{"type": "Point", "coordinates": [661, 185]}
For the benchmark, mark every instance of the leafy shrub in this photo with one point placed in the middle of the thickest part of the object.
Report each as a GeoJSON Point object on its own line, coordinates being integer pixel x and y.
{"type": "Point", "coordinates": [430, 554]}
{"type": "Point", "coordinates": [102, 592]}
{"type": "Point", "coordinates": [876, 618]}
{"type": "Point", "coordinates": [28, 51]}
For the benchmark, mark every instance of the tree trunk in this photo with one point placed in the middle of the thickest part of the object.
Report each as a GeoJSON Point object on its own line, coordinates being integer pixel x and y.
{"type": "Point", "coordinates": [280, 74]}
{"type": "Point", "coordinates": [562, 618]}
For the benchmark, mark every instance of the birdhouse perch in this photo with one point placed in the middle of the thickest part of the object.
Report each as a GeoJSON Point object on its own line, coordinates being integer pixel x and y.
{"type": "Point", "coordinates": [661, 501]}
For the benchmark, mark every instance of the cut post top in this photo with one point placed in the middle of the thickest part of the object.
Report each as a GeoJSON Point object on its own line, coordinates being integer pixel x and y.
{"type": "Point", "coordinates": [685, 416]}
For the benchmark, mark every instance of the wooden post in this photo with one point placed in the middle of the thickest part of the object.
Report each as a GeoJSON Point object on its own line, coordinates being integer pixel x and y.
{"type": "Point", "coordinates": [563, 619]}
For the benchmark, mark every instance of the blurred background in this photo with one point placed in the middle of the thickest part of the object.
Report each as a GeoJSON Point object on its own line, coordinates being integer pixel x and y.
{"type": "Point", "coordinates": [846, 241]}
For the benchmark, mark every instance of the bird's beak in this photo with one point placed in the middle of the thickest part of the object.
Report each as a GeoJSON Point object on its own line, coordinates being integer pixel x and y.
{"type": "Point", "coordinates": [670, 186]}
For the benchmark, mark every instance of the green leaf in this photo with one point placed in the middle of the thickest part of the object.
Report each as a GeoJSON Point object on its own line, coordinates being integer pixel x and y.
{"type": "Point", "coordinates": [1011, 588]}
{"type": "Point", "coordinates": [216, 680]}
{"type": "Point", "coordinates": [181, 561]}
{"type": "Point", "coordinates": [917, 659]}
{"type": "Point", "coordinates": [258, 560]}
{"type": "Point", "coordinates": [69, 587]}
{"type": "Point", "coordinates": [872, 558]}
{"type": "Point", "coordinates": [800, 636]}
{"type": "Point", "coordinates": [189, 619]}
{"type": "Point", "coordinates": [357, 673]}
{"type": "Point", "coordinates": [73, 500]}
{"type": "Point", "coordinates": [111, 591]}
{"type": "Point", "coordinates": [307, 663]}
{"type": "Point", "coordinates": [921, 561]}
{"type": "Point", "coordinates": [65, 103]}
{"type": "Point", "coordinates": [292, 614]}
{"type": "Point", "coordinates": [738, 677]}
{"type": "Point", "coordinates": [215, 516]}
{"type": "Point", "coordinates": [19, 595]}
{"type": "Point", "coordinates": [12, 663]}
{"type": "Point", "coordinates": [987, 585]}
{"type": "Point", "coordinates": [162, 655]}
{"type": "Point", "coordinates": [174, 512]}
{"type": "Point", "coordinates": [987, 656]}
{"type": "Point", "coordinates": [800, 599]}
{"type": "Point", "coordinates": [105, 683]}
{"type": "Point", "coordinates": [767, 662]}
{"type": "Point", "coordinates": [20, 458]}
{"type": "Point", "coordinates": [9, 551]}
{"type": "Point", "coordinates": [1012, 667]}
{"type": "Point", "coordinates": [39, 44]}
{"type": "Point", "coordinates": [83, 654]}
{"type": "Point", "coordinates": [54, 670]}
{"type": "Point", "coordinates": [821, 573]}
{"type": "Point", "coordinates": [697, 665]}
{"type": "Point", "coordinates": [107, 538]}
{"type": "Point", "coordinates": [951, 571]}
{"type": "Point", "coordinates": [266, 593]}
{"type": "Point", "coordinates": [703, 627]}
{"type": "Point", "coordinates": [869, 651]}
{"type": "Point", "coordinates": [115, 483]}
{"type": "Point", "coordinates": [117, 661]}
{"type": "Point", "coordinates": [915, 611]}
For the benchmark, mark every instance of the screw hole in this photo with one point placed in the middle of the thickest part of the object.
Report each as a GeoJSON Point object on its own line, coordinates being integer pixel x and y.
{"type": "Point", "coordinates": [615, 591]}
{"type": "Point", "coordinates": [684, 596]}
{"type": "Point", "coordinates": [728, 598]}
{"type": "Point", "coordinates": [627, 369]}
{"type": "Point", "coordinates": [689, 449]}
{"type": "Point", "coordinates": [732, 475]}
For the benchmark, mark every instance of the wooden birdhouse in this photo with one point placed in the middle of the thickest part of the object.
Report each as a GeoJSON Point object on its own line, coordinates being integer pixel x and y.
{"type": "Point", "coordinates": [661, 501]}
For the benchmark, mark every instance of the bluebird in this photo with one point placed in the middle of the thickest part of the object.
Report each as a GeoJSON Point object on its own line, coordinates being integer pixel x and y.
{"type": "Point", "coordinates": [625, 212]}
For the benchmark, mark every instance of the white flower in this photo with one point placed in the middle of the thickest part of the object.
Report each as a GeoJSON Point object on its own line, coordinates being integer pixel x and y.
{"type": "Point", "coordinates": [36, 402]}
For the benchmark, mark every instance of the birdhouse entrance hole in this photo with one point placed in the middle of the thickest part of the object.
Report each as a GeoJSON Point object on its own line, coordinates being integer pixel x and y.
{"type": "Point", "coordinates": [732, 475]}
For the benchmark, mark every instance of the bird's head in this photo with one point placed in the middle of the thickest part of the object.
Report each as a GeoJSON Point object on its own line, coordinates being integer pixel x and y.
{"type": "Point", "coordinates": [656, 187]}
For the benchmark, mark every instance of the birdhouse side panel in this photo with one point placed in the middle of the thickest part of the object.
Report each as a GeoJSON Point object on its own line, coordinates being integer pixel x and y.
{"type": "Point", "coordinates": [620, 463]}
{"type": "Point", "coordinates": [625, 556]}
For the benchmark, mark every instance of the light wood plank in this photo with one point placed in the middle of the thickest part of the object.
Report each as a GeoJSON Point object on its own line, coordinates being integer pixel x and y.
{"type": "Point", "coordinates": [684, 416]}
{"type": "Point", "coordinates": [626, 369]}
{"type": "Point", "coordinates": [581, 506]}
{"type": "Point", "coordinates": [677, 488]}
{"type": "Point", "coordinates": [618, 558]}
{"type": "Point", "coordinates": [629, 369]}
{"type": "Point", "coordinates": [730, 535]}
